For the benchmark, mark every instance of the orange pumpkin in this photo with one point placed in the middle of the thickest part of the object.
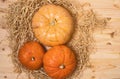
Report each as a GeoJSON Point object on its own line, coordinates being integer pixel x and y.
{"type": "Point", "coordinates": [59, 62]}
{"type": "Point", "coordinates": [52, 25]}
{"type": "Point", "coordinates": [31, 55]}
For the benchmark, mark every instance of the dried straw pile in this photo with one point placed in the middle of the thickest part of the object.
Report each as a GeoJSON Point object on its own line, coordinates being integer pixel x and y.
{"type": "Point", "coordinates": [19, 22]}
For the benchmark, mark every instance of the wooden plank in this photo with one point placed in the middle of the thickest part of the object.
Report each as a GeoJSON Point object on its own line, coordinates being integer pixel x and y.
{"type": "Point", "coordinates": [5, 3]}
{"type": "Point", "coordinates": [103, 69]}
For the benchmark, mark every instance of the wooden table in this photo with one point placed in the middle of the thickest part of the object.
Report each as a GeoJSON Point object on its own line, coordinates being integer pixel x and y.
{"type": "Point", "coordinates": [105, 61]}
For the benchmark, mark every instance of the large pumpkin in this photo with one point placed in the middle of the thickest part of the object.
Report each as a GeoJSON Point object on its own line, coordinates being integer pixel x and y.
{"type": "Point", "coordinates": [52, 25]}
{"type": "Point", "coordinates": [31, 55]}
{"type": "Point", "coordinates": [59, 62]}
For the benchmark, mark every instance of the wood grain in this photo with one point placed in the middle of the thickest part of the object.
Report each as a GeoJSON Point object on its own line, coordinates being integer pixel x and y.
{"type": "Point", "coordinates": [105, 62]}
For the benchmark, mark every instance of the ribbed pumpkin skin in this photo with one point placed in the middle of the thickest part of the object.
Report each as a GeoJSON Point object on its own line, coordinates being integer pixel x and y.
{"type": "Point", "coordinates": [52, 25]}
{"type": "Point", "coordinates": [31, 55]}
{"type": "Point", "coordinates": [59, 62]}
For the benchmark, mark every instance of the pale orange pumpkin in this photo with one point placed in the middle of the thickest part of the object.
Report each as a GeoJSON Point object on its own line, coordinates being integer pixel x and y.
{"type": "Point", "coordinates": [59, 62]}
{"type": "Point", "coordinates": [31, 55]}
{"type": "Point", "coordinates": [52, 25]}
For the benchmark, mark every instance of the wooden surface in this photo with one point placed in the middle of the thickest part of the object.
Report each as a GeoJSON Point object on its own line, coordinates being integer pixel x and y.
{"type": "Point", "coordinates": [105, 61]}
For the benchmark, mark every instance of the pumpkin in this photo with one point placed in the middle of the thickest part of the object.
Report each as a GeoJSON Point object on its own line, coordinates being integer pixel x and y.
{"type": "Point", "coordinates": [59, 62]}
{"type": "Point", "coordinates": [52, 25]}
{"type": "Point", "coordinates": [31, 55]}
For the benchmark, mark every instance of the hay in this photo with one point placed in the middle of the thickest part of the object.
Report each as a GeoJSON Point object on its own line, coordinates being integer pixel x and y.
{"type": "Point", "coordinates": [82, 42]}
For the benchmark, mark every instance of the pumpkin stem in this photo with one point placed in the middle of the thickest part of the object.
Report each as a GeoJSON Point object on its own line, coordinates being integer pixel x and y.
{"type": "Point", "coordinates": [53, 22]}
{"type": "Point", "coordinates": [33, 58]}
{"type": "Point", "coordinates": [62, 66]}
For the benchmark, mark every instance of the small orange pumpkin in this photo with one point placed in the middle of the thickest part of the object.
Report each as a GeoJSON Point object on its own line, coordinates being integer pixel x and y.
{"type": "Point", "coordinates": [52, 25]}
{"type": "Point", "coordinates": [59, 62]}
{"type": "Point", "coordinates": [31, 55]}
